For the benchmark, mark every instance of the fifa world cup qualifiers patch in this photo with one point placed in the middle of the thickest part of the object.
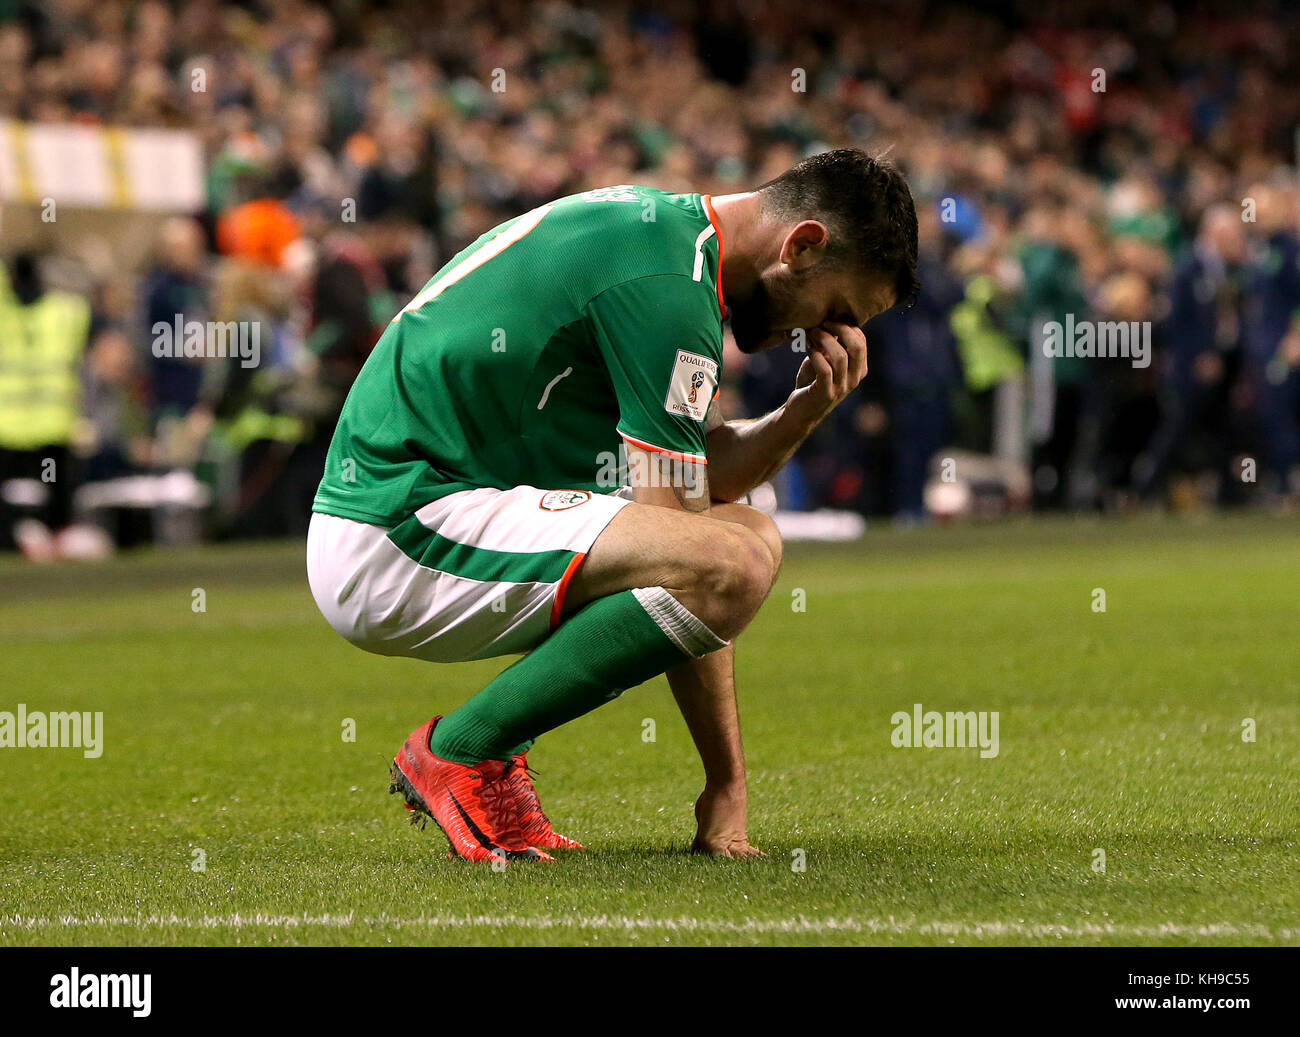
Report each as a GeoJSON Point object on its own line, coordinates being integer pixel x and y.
{"type": "Point", "coordinates": [690, 390]}
{"type": "Point", "coordinates": [562, 500]}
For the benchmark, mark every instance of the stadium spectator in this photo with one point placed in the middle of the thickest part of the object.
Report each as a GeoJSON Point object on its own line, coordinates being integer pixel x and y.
{"type": "Point", "coordinates": [1271, 334]}
{"type": "Point", "coordinates": [916, 354]}
{"type": "Point", "coordinates": [1201, 363]}
{"type": "Point", "coordinates": [42, 338]}
{"type": "Point", "coordinates": [175, 289]}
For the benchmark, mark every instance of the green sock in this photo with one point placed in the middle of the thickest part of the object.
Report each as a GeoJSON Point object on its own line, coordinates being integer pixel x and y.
{"type": "Point", "coordinates": [610, 645]}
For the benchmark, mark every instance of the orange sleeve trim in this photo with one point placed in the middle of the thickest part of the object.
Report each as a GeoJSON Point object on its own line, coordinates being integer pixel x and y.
{"type": "Point", "coordinates": [675, 454]}
{"type": "Point", "coordinates": [707, 199]}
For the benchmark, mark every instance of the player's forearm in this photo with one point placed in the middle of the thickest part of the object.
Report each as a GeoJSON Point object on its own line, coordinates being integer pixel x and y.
{"type": "Point", "coordinates": [744, 454]}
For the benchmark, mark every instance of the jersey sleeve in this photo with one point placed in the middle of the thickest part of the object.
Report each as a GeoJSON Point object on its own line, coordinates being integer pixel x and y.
{"type": "Point", "coordinates": [661, 339]}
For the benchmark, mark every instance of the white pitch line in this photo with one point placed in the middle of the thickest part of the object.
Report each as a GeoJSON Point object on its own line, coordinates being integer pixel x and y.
{"type": "Point", "coordinates": [685, 924]}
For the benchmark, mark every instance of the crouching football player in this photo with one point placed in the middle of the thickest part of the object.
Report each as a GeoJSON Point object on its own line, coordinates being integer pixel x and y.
{"type": "Point", "coordinates": [466, 509]}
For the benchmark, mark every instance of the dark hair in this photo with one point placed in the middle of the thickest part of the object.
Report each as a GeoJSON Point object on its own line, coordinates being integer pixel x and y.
{"type": "Point", "coordinates": [25, 278]}
{"type": "Point", "coordinates": [866, 205]}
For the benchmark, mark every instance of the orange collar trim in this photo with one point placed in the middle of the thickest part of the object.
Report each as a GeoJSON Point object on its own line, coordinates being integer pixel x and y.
{"type": "Point", "coordinates": [707, 199]}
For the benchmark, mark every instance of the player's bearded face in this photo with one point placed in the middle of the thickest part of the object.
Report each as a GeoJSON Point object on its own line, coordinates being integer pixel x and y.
{"type": "Point", "coordinates": [773, 309]}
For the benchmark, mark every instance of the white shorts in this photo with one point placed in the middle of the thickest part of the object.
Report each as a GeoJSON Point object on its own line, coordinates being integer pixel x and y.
{"type": "Point", "coordinates": [476, 574]}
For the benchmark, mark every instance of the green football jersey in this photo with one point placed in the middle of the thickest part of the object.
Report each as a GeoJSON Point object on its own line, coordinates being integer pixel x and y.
{"type": "Point", "coordinates": [527, 357]}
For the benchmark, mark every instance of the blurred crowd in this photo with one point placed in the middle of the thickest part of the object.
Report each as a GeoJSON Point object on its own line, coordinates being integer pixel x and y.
{"type": "Point", "coordinates": [1097, 161]}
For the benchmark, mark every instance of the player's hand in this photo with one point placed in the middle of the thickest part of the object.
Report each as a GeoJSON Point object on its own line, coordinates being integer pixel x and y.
{"type": "Point", "coordinates": [835, 364]}
{"type": "Point", "coordinates": [720, 815]}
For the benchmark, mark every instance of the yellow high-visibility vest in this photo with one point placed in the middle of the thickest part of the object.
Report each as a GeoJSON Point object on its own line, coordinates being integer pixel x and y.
{"type": "Point", "coordinates": [41, 346]}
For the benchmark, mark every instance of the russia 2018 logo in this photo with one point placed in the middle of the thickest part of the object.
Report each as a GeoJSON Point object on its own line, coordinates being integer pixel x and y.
{"type": "Point", "coordinates": [690, 384]}
{"type": "Point", "coordinates": [562, 500]}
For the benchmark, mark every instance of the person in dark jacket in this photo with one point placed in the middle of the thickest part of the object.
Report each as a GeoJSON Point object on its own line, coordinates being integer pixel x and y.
{"type": "Point", "coordinates": [918, 360]}
{"type": "Point", "coordinates": [1202, 359]}
{"type": "Point", "coordinates": [176, 287]}
{"type": "Point", "coordinates": [1271, 335]}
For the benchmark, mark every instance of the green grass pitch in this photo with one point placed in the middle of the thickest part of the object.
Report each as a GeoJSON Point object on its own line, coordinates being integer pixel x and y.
{"type": "Point", "coordinates": [1119, 731]}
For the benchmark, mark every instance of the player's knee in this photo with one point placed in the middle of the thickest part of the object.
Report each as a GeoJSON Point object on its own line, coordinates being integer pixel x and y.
{"type": "Point", "coordinates": [741, 570]}
{"type": "Point", "coordinates": [771, 537]}
{"type": "Point", "coordinates": [754, 520]}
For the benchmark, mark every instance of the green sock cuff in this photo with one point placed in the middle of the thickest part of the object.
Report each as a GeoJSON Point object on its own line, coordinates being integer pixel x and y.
{"type": "Point", "coordinates": [606, 647]}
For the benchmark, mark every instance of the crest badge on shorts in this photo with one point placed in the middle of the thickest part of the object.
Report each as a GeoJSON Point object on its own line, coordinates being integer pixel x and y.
{"type": "Point", "coordinates": [562, 500]}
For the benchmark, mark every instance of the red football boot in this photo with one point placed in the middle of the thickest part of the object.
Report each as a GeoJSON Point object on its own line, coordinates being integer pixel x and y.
{"type": "Point", "coordinates": [533, 821]}
{"type": "Point", "coordinates": [471, 803]}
